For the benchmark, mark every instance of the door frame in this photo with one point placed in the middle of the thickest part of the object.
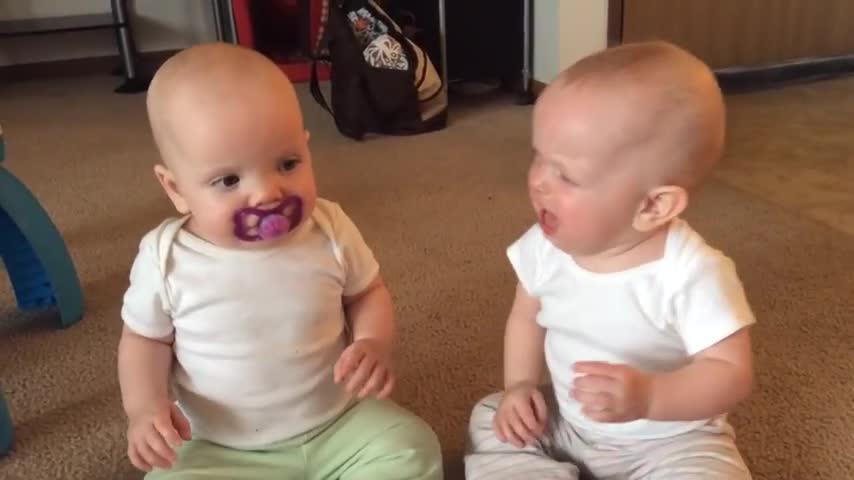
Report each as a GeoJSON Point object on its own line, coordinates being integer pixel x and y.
{"type": "Point", "coordinates": [615, 22]}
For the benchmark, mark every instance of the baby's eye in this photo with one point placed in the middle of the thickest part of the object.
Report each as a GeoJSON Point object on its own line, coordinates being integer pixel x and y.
{"type": "Point", "coordinates": [227, 181]}
{"type": "Point", "coordinates": [288, 165]}
{"type": "Point", "coordinates": [567, 180]}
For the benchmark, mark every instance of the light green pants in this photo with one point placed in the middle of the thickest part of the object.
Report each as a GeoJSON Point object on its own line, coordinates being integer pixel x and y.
{"type": "Point", "coordinates": [374, 440]}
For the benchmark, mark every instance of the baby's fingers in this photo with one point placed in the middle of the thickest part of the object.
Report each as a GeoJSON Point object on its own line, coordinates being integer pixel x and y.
{"type": "Point", "coordinates": [362, 373]}
{"type": "Point", "coordinates": [374, 383]}
{"type": "Point", "coordinates": [528, 419]}
{"type": "Point", "coordinates": [180, 422]}
{"type": "Point", "coordinates": [168, 432]}
{"type": "Point", "coordinates": [389, 385]}
{"type": "Point", "coordinates": [165, 455]}
{"type": "Point", "coordinates": [348, 362]}
{"type": "Point", "coordinates": [500, 425]}
{"type": "Point", "coordinates": [507, 433]}
{"type": "Point", "coordinates": [136, 459]}
{"type": "Point", "coordinates": [514, 433]}
{"type": "Point", "coordinates": [540, 409]}
{"type": "Point", "coordinates": [498, 428]}
{"type": "Point", "coordinates": [520, 426]}
{"type": "Point", "coordinates": [150, 456]}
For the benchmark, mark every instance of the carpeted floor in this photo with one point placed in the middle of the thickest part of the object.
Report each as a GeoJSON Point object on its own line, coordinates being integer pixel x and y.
{"type": "Point", "coordinates": [439, 210]}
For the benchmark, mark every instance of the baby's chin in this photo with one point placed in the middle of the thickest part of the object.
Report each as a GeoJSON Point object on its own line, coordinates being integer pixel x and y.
{"type": "Point", "coordinates": [262, 244]}
{"type": "Point", "coordinates": [229, 241]}
{"type": "Point", "coordinates": [234, 243]}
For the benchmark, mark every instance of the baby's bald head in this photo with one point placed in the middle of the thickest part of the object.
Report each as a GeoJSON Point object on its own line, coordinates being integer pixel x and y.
{"type": "Point", "coordinates": [216, 90]}
{"type": "Point", "coordinates": [652, 103]}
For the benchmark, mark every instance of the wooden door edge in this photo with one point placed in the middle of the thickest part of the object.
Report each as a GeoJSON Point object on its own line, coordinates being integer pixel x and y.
{"type": "Point", "coordinates": [615, 22]}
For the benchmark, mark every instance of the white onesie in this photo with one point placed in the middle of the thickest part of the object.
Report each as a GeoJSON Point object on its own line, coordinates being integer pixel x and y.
{"type": "Point", "coordinates": [653, 317]}
{"type": "Point", "coordinates": [257, 333]}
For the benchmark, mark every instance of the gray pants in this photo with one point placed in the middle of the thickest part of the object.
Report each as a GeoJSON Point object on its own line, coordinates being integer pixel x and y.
{"type": "Point", "coordinates": [565, 454]}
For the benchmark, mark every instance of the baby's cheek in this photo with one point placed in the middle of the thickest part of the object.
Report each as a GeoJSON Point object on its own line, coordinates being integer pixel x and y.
{"type": "Point", "coordinates": [581, 224]}
{"type": "Point", "coordinates": [573, 212]}
{"type": "Point", "coordinates": [220, 221]}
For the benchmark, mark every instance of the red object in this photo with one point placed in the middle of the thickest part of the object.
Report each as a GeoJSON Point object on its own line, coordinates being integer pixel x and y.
{"type": "Point", "coordinates": [247, 33]}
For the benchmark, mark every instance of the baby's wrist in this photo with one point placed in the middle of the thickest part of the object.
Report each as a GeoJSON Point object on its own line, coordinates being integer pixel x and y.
{"type": "Point", "coordinates": [519, 384]}
{"type": "Point", "coordinates": [146, 407]}
{"type": "Point", "coordinates": [650, 396]}
{"type": "Point", "coordinates": [382, 346]}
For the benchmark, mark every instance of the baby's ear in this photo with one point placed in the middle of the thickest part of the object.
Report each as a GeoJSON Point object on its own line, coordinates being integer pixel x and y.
{"type": "Point", "coordinates": [167, 181]}
{"type": "Point", "coordinates": [661, 205]}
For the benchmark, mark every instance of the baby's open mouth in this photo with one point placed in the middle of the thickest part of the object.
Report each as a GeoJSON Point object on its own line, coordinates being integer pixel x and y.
{"type": "Point", "coordinates": [548, 222]}
{"type": "Point", "coordinates": [252, 224]}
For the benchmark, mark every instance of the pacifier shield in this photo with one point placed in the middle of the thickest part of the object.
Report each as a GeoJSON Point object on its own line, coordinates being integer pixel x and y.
{"type": "Point", "coordinates": [252, 224]}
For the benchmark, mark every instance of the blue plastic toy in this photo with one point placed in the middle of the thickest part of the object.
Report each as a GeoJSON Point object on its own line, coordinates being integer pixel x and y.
{"type": "Point", "coordinates": [37, 262]}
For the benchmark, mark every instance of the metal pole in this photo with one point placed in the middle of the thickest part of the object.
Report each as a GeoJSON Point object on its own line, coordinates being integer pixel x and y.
{"type": "Point", "coordinates": [229, 12]}
{"type": "Point", "coordinates": [525, 94]}
{"type": "Point", "coordinates": [127, 49]}
{"type": "Point", "coordinates": [526, 63]}
{"type": "Point", "coordinates": [443, 43]}
{"type": "Point", "coordinates": [217, 14]}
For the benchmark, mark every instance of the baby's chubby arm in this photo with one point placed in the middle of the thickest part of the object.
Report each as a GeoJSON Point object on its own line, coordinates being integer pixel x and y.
{"type": "Point", "coordinates": [371, 315]}
{"type": "Point", "coordinates": [143, 366]}
{"type": "Point", "coordinates": [713, 318]}
{"type": "Point", "coordinates": [521, 416]}
{"type": "Point", "coordinates": [714, 382]}
{"type": "Point", "coordinates": [155, 425]}
{"type": "Point", "coordinates": [524, 342]}
{"type": "Point", "coordinates": [366, 363]}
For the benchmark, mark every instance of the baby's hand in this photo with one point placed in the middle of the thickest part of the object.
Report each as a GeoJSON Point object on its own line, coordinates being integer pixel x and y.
{"type": "Point", "coordinates": [153, 436]}
{"type": "Point", "coordinates": [612, 393]}
{"type": "Point", "coordinates": [367, 367]}
{"type": "Point", "coordinates": [521, 416]}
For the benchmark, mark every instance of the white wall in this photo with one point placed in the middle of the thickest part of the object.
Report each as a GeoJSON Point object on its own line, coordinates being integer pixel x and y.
{"type": "Point", "coordinates": [157, 24]}
{"type": "Point", "coordinates": [546, 62]}
{"type": "Point", "coordinates": [564, 32]}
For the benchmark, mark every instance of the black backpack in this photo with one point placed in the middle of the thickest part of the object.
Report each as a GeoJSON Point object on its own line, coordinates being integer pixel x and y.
{"type": "Point", "coordinates": [381, 82]}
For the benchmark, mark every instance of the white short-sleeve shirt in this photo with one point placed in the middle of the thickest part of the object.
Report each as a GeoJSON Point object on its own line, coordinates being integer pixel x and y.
{"type": "Point", "coordinates": [653, 317]}
{"type": "Point", "coordinates": [257, 333]}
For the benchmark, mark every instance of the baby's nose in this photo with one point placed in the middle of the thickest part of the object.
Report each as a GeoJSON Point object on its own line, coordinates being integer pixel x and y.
{"type": "Point", "coordinates": [266, 194]}
{"type": "Point", "coordinates": [538, 183]}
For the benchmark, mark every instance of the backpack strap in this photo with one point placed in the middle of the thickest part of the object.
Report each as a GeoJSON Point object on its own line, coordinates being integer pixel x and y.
{"type": "Point", "coordinates": [314, 84]}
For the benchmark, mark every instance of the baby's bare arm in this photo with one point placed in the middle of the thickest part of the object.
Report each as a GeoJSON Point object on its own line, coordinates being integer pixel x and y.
{"type": "Point", "coordinates": [144, 366]}
{"type": "Point", "coordinates": [715, 381]}
{"type": "Point", "coordinates": [371, 315]}
{"type": "Point", "coordinates": [523, 342]}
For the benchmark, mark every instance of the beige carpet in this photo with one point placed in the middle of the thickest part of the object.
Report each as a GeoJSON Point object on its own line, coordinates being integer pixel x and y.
{"type": "Point", "coordinates": [439, 210]}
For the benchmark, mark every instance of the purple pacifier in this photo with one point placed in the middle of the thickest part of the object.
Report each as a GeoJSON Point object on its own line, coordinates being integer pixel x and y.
{"type": "Point", "coordinates": [271, 223]}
